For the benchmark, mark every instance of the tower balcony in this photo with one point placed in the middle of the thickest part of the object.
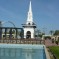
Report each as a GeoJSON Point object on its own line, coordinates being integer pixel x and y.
{"type": "Point", "coordinates": [29, 25]}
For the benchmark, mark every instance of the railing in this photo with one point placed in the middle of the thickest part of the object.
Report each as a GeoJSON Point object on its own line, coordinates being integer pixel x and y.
{"type": "Point", "coordinates": [22, 41]}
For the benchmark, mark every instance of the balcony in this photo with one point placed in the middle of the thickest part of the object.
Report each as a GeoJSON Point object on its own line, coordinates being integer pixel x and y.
{"type": "Point", "coordinates": [29, 25]}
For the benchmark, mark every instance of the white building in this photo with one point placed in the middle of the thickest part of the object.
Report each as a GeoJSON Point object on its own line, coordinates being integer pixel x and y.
{"type": "Point", "coordinates": [29, 27]}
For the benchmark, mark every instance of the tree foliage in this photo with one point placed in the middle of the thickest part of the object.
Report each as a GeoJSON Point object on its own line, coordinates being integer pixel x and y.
{"type": "Point", "coordinates": [56, 32]}
{"type": "Point", "coordinates": [51, 32]}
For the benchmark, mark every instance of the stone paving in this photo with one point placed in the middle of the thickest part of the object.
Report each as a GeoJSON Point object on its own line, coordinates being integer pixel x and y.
{"type": "Point", "coordinates": [48, 42]}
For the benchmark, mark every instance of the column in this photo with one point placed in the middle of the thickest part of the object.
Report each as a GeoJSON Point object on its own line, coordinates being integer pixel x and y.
{"type": "Point", "coordinates": [22, 33]}
{"type": "Point", "coordinates": [10, 33]}
{"type": "Point", "coordinates": [0, 33]}
{"type": "Point", "coordinates": [5, 33]}
{"type": "Point", "coordinates": [16, 32]}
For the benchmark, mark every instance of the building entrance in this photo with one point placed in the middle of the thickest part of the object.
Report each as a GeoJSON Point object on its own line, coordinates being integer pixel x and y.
{"type": "Point", "coordinates": [28, 34]}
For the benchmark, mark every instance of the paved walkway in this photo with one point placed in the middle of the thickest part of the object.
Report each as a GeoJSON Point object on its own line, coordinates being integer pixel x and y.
{"type": "Point", "coordinates": [49, 43]}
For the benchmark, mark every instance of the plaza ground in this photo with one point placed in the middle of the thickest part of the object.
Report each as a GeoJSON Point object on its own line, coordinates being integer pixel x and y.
{"type": "Point", "coordinates": [53, 49]}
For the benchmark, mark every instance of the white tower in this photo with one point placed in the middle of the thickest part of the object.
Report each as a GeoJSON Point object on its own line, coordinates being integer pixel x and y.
{"type": "Point", "coordinates": [29, 27]}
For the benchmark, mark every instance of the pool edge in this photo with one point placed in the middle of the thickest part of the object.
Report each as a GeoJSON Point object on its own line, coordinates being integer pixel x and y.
{"type": "Point", "coordinates": [47, 53]}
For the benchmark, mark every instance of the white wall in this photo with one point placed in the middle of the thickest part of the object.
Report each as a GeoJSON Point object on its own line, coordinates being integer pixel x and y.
{"type": "Point", "coordinates": [29, 29]}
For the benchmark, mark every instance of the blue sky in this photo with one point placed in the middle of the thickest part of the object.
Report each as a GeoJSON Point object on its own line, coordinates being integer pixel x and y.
{"type": "Point", "coordinates": [45, 13]}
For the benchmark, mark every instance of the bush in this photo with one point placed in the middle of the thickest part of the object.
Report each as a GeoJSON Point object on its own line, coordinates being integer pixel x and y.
{"type": "Point", "coordinates": [47, 37]}
{"type": "Point", "coordinates": [56, 42]}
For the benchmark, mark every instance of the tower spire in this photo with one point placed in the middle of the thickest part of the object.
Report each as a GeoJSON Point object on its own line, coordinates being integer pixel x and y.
{"type": "Point", "coordinates": [30, 16]}
{"type": "Point", "coordinates": [30, 8]}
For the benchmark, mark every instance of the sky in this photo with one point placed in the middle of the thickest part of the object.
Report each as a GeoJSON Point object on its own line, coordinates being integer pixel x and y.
{"type": "Point", "coordinates": [45, 13]}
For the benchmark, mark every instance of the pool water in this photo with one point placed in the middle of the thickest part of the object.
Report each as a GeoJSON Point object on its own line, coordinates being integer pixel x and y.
{"type": "Point", "coordinates": [34, 52]}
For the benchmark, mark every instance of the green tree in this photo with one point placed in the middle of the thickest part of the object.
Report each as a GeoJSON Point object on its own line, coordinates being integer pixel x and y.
{"type": "Point", "coordinates": [56, 32]}
{"type": "Point", "coordinates": [51, 32]}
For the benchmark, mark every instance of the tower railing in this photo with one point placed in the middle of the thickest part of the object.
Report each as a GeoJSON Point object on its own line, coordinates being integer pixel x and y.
{"type": "Point", "coordinates": [27, 25]}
